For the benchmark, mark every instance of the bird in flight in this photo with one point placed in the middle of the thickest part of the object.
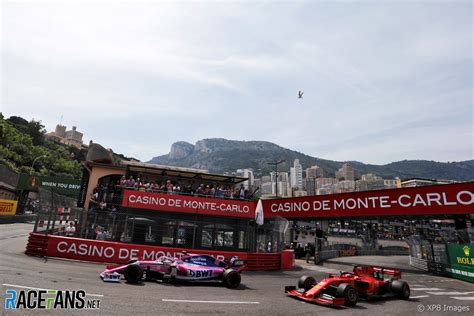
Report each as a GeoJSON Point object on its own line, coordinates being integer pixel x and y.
{"type": "Point", "coordinates": [300, 94]}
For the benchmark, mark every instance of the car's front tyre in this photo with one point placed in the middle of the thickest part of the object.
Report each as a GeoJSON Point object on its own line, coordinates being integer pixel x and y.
{"type": "Point", "coordinates": [306, 282]}
{"type": "Point", "coordinates": [349, 293]}
{"type": "Point", "coordinates": [133, 273]}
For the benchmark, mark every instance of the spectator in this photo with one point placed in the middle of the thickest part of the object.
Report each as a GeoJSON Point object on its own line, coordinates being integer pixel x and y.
{"type": "Point", "coordinates": [200, 190]}
{"type": "Point", "coordinates": [220, 191]}
{"type": "Point", "coordinates": [123, 181]}
{"type": "Point", "coordinates": [130, 182]}
{"type": "Point", "coordinates": [241, 192]}
{"type": "Point", "coordinates": [212, 191]}
{"type": "Point", "coordinates": [102, 205]}
{"type": "Point", "coordinates": [169, 186]}
{"type": "Point", "coordinates": [70, 230]}
{"type": "Point", "coordinates": [114, 212]}
{"type": "Point", "coordinates": [206, 190]}
{"type": "Point", "coordinates": [100, 234]}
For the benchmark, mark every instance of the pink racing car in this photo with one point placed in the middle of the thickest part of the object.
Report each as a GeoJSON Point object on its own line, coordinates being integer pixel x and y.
{"type": "Point", "coordinates": [190, 268]}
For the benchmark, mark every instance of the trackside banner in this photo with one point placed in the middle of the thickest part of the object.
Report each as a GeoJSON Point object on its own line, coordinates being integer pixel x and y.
{"type": "Point", "coordinates": [8, 207]}
{"type": "Point", "coordinates": [115, 252]}
{"type": "Point", "coordinates": [428, 200]}
{"type": "Point", "coordinates": [188, 204]}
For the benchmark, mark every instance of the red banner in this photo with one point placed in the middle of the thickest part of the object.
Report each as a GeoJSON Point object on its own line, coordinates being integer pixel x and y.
{"type": "Point", "coordinates": [116, 252]}
{"type": "Point", "coordinates": [428, 200]}
{"type": "Point", "coordinates": [188, 204]}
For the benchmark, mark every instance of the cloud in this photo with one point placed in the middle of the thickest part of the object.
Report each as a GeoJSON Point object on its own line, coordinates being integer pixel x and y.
{"type": "Point", "coordinates": [383, 81]}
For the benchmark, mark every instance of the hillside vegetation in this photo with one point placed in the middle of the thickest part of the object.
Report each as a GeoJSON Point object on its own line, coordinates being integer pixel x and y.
{"type": "Point", "coordinates": [22, 141]}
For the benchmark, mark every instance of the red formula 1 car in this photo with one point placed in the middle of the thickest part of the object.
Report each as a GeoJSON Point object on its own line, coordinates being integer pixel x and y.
{"type": "Point", "coordinates": [189, 268]}
{"type": "Point", "coordinates": [347, 287]}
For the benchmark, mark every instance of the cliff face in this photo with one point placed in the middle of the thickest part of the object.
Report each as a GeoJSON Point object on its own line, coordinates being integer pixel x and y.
{"type": "Point", "coordinates": [220, 155]}
{"type": "Point", "coordinates": [180, 150]}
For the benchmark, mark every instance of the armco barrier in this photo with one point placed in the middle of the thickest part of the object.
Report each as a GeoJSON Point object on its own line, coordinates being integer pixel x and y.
{"type": "Point", "coordinates": [116, 252]}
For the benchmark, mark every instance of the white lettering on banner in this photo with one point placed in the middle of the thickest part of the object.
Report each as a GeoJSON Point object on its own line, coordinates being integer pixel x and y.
{"type": "Point", "coordinates": [97, 250]}
{"type": "Point", "coordinates": [58, 247]}
{"type": "Point", "coordinates": [109, 252]}
{"type": "Point", "coordinates": [85, 249]}
{"type": "Point", "coordinates": [124, 253]}
{"type": "Point", "coordinates": [48, 184]}
{"type": "Point", "coordinates": [404, 197]}
{"type": "Point", "coordinates": [460, 198]}
{"type": "Point", "coordinates": [362, 203]}
{"type": "Point", "coordinates": [405, 201]}
{"type": "Point", "coordinates": [321, 205]}
{"type": "Point", "coordinates": [445, 200]}
{"type": "Point", "coordinates": [196, 205]}
{"type": "Point", "coordinates": [82, 249]}
{"type": "Point", "coordinates": [291, 207]}
{"type": "Point", "coordinates": [133, 253]}
{"type": "Point", "coordinates": [433, 197]}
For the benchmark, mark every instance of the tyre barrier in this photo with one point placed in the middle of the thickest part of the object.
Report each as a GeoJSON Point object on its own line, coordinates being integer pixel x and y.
{"type": "Point", "coordinates": [37, 245]}
{"type": "Point", "coordinates": [263, 261]}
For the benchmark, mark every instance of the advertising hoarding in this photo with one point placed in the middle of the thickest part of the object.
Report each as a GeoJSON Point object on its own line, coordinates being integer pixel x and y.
{"type": "Point", "coordinates": [461, 258]}
{"type": "Point", "coordinates": [188, 204]}
{"type": "Point", "coordinates": [428, 200]}
{"type": "Point", "coordinates": [8, 207]}
{"type": "Point", "coordinates": [65, 186]}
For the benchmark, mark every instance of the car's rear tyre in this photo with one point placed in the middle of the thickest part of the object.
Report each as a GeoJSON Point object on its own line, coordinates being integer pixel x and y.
{"type": "Point", "coordinates": [306, 282]}
{"type": "Point", "coordinates": [401, 289]}
{"type": "Point", "coordinates": [231, 279]}
{"type": "Point", "coordinates": [349, 293]}
{"type": "Point", "coordinates": [133, 273]}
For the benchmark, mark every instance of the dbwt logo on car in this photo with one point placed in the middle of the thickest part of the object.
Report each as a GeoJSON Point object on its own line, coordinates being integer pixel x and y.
{"type": "Point", "coordinates": [200, 273]}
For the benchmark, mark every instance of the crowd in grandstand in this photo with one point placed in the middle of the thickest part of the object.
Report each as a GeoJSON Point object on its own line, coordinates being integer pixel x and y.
{"type": "Point", "coordinates": [208, 190]}
{"type": "Point", "coordinates": [104, 197]}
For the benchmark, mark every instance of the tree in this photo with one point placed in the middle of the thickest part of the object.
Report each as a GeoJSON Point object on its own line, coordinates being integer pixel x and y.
{"type": "Point", "coordinates": [36, 130]}
{"type": "Point", "coordinates": [17, 120]}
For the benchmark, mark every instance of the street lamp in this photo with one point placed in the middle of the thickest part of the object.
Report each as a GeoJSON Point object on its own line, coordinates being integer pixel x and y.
{"type": "Point", "coordinates": [276, 163]}
{"type": "Point", "coordinates": [34, 161]}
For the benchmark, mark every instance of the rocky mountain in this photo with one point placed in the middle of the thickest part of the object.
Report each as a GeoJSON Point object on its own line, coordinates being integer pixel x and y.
{"type": "Point", "coordinates": [220, 155]}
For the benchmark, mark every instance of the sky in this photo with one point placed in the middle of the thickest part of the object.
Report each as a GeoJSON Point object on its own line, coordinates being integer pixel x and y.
{"type": "Point", "coordinates": [383, 81]}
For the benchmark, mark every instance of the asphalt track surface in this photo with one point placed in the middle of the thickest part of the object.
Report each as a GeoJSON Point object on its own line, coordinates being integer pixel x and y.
{"type": "Point", "coordinates": [261, 293]}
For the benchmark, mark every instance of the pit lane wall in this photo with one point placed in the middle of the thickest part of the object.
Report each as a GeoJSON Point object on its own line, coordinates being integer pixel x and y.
{"type": "Point", "coordinates": [120, 253]}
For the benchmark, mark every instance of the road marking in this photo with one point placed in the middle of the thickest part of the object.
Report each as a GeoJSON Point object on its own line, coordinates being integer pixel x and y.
{"type": "Point", "coordinates": [463, 298]}
{"type": "Point", "coordinates": [450, 293]}
{"type": "Point", "coordinates": [426, 289]}
{"type": "Point", "coordinates": [419, 296]}
{"type": "Point", "coordinates": [37, 288]}
{"type": "Point", "coordinates": [214, 302]}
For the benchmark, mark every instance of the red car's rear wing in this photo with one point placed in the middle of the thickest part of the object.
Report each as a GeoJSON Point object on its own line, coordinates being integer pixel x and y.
{"type": "Point", "coordinates": [388, 272]}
